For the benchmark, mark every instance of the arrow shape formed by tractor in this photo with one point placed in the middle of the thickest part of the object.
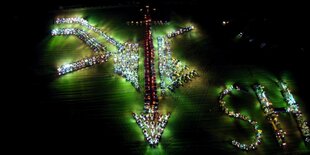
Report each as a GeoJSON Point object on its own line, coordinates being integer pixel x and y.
{"type": "Point", "coordinates": [126, 59]}
{"type": "Point", "coordinates": [150, 121]}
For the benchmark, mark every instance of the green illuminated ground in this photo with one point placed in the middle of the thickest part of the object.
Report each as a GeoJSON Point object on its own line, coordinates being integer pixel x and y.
{"type": "Point", "coordinates": [196, 124]}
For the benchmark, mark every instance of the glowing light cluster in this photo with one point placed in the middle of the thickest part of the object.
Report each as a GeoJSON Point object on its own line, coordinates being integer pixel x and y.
{"type": "Point", "coordinates": [180, 74]}
{"type": "Point", "coordinates": [140, 23]}
{"type": "Point", "coordinates": [85, 23]}
{"type": "Point", "coordinates": [270, 114]}
{"type": "Point", "coordinates": [294, 108]}
{"type": "Point", "coordinates": [258, 137]}
{"type": "Point", "coordinates": [165, 63]}
{"type": "Point", "coordinates": [84, 36]}
{"type": "Point", "coordinates": [150, 93]}
{"type": "Point", "coordinates": [180, 31]}
{"type": "Point", "coordinates": [126, 58]}
{"type": "Point", "coordinates": [152, 125]}
{"type": "Point", "coordinates": [173, 73]}
{"type": "Point", "coordinates": [126, 63]}
{"type": "Point", "coordinates": [83, 63]}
